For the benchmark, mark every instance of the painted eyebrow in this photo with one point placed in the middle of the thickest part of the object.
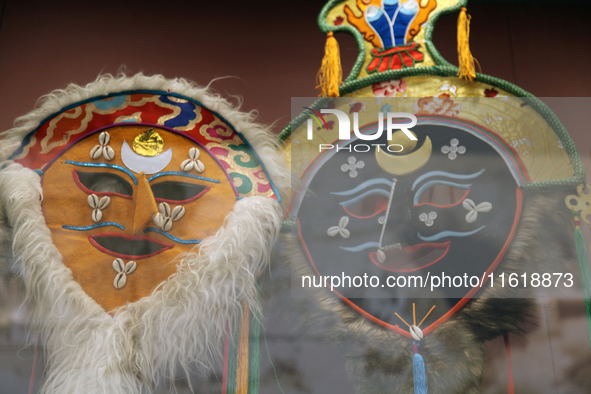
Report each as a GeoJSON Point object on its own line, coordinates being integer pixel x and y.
{"type": "Point", "coordinates": [179, 173]}
{"type": "Point", "coordinates": [104, 165]}
{"type": "Point", "coordinates": [444, 234]}
{"type": "Point", "coordinates": [373, 192]}
{"type": "Point", "coordinates": [371, 182]}
{"type": "Point", "coordinates": [81, 228]}
{"type": "Point", "coordinates": [446, 175]}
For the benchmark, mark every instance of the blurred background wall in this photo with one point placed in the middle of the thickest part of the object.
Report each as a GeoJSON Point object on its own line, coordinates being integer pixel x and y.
{"type": "Point", "coordinates": [271, 49]}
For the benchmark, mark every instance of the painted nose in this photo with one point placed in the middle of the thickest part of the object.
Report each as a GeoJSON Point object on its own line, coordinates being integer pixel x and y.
{"type": "Point", "coordinates": [399, 229]}
{"type": "Point", "coordinates": [145, 206]}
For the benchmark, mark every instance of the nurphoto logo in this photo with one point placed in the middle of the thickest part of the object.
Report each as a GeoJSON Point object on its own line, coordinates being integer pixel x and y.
{"type": "Point", "coordinates": [394, 121]}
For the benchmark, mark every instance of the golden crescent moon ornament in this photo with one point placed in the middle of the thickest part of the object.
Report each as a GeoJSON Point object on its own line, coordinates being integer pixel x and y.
{"type": "Point", "coordinates": [404, 164]}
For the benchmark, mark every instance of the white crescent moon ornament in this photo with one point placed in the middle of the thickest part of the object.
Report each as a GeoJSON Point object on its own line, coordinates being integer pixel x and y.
{"type": "Point", "coordinates": [405, 164]}
{"type": "Point", "coordinates": [147, 164]}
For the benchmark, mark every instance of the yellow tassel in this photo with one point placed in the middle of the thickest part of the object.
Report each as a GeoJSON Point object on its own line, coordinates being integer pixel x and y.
{"type": "Point", "coordinates": [330, 75]}
{"type": "Point", "coordinates": [465, 58]}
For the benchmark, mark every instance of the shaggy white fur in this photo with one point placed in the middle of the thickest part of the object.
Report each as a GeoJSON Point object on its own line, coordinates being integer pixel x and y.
{"type": "Point", "coordinates": [181, 322]}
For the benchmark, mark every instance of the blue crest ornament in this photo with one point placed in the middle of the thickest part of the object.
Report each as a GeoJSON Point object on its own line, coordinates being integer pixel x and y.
{"type": "Point", "coordinates": [392, 20]}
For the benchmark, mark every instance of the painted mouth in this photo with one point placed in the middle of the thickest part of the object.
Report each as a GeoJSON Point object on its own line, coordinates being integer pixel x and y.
{"type": "Point", "coordinates": [412, 258]}
{"type": "Point", "coordinates": [128, 247]}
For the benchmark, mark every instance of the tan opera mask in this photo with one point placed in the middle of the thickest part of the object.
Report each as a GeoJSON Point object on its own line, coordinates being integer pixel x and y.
{"type": "Point", "coordinates": [142, 211]}
{"type": "Point", "coordinates": [123, 202]}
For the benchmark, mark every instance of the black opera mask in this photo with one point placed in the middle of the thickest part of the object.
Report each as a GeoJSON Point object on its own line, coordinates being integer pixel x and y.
{"type": "Point", "coordinates": [448, 208]}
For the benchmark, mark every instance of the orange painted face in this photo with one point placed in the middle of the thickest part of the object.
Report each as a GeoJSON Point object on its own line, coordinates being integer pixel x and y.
{"type": "Point", "coordinates": [119, 223]}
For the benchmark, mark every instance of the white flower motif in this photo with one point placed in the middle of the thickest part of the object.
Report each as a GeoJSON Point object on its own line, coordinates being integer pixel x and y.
{"type": "Point", "coordinates": [428, 218]}
{"type": "Point", "coordinates": [193, 162]}
{"type": "Point", "coordinates": [122, 271]}
{"type": "Point", "coordinates": [522, 141]}
{"type": "Point", "coordinates": [103, 148]}
{"type": "Point", "coordinates": [165, 216]}
{"type": "Point", "coordinates": [352, 166]}
{"type": "Point", "coordinates": [488, 118]}
{"type": "Point", "coordinates": [453, 150]}
{"type": "Point", "coordinates": [448, 87]}
{"type": "Point", "coordinates": [340, 229]}
{"type": "Point", "coordinates": [473, 209]}
{"type": "Point", "coordinates": [521, 146]}
{"type": "Point", "coordinates": [358, 106]}
{"type": "Point", "coordinates": [97, 206]}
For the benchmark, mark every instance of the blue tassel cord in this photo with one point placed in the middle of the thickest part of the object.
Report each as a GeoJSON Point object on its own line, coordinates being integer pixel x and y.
{"type": "Point", "coordinates": [418, 368]}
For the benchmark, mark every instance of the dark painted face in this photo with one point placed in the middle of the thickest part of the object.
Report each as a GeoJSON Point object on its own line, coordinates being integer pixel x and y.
{"type": "Point", "coordinates": [446, 210]}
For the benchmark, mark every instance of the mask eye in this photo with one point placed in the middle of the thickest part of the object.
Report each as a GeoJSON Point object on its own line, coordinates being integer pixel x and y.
{"type": "Point", "coordinates": [368, 204]}
{"type": "Point", "coordinates": [443, 196]}
{"type": "Point", "coordinates": [103, 183]}
{"type": "Point", "coordinates": [178, 192]}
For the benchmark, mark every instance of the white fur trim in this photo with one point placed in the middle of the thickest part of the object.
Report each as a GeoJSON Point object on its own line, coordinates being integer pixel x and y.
{"type": "Point", "coordinates": [184, 320]}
